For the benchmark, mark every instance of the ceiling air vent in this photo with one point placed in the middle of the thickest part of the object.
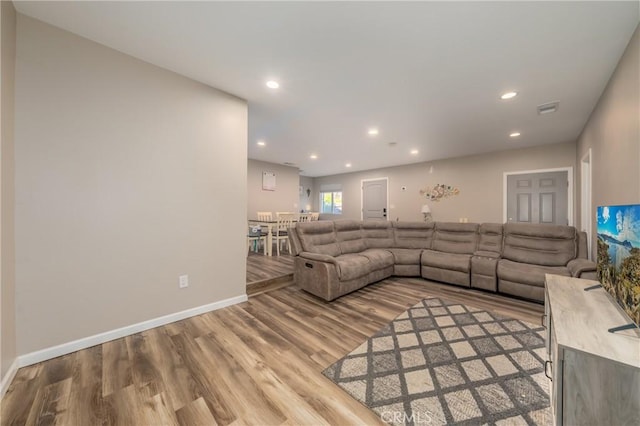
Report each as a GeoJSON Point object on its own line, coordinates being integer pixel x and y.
{"type": "Point", "coordinates": [287, 163]}
{"type": "Point", "coordinates": [548, 108]}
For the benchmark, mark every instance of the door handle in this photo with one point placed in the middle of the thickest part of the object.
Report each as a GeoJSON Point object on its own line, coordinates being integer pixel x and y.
{"type": "Point", "coordinates": [550, 363]}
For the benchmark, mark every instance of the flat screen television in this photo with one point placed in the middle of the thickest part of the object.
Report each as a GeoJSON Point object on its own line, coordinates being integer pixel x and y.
{"type": "Point", "coordinates": [618, 255]}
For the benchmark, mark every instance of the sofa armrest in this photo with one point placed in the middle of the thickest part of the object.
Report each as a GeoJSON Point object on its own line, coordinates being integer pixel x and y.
{"type": "Point", "coordinates": [317, 274]}
{"type": "Point", "coordinates": [577, 267]}
{"type": "Point", "coordinates": [295, 246]}
{"type": "Point", "coordinates": [485, 253]}
{"type": "Point", "coordinates": [318, 257]}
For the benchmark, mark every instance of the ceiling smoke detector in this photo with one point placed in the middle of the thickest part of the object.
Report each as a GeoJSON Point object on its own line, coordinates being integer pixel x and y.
{"type": "Point", "coordinates": [548, 108]}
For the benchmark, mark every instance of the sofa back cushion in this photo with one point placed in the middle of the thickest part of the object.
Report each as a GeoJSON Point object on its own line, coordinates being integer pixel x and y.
{"type": "Point", "coordinates": [349, 236]}
{"type": "Point", "coordinates": [318, 237]}
{"type": "Point", "coordinates": [546, 245]}
{"type": "Point", "coordinates": [377, 233]}
{"type": "Point", "coordinates": [412, 235]}
{"type": "Point", "coordinates": [582, 250]}
{"type": "Point", "coordinates": [452, 237]}
{"type": "Point", "coordinates": [490, 237]}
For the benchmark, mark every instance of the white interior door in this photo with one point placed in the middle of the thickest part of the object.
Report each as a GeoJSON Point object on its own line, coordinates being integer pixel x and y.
{"type": "Point", "coordinates": [374, 199]}
{"type": "Point", "coordinates": [538, 198]}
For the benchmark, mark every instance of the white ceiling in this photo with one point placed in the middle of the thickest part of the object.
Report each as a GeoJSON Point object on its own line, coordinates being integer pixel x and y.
{"type": "Point", "coordinates": [428, 75]}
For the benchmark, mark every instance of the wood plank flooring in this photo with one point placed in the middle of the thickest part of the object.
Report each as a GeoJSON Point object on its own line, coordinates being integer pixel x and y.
{"type": "Point", "coordinates": [256, 363]}
{"type": "Point", "coordinates": [262, 268]}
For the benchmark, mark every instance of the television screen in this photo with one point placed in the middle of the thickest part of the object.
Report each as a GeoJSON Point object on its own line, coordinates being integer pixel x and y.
{"type": "Point", "coordinates": [619, 255]}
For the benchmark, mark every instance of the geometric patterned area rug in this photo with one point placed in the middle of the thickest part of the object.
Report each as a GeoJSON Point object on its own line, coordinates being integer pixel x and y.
{"type": "Point", "coordinates": [444, 363]}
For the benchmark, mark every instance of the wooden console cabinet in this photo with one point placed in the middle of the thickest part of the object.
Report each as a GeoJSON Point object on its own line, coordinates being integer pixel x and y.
{"type": "Point", "coordinates": [595, 374]}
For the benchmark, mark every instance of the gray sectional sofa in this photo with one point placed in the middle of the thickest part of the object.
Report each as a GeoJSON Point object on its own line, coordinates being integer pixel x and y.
{"type": "Point", "coordinates": [333, 258]}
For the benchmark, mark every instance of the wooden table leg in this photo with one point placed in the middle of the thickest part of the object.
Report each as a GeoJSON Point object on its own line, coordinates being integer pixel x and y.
{"type": "Point", "coordinates": [269, 241]}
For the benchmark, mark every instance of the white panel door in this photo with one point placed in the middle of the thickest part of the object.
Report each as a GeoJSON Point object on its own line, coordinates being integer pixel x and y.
{"type": "Point", "coordinates": [374, 199]}
{"type": "Point", "coordinates": [538, 198]}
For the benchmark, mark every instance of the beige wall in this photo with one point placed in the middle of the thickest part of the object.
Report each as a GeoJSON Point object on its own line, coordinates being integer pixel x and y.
{"type": "Point", "coordinates": [127, 176]}
{"type": "Point", "coordinates": [479, 178]}
{"type": "Point", "coordinates": [306, 202]}
{"type": "Point", "coordinates": [613, 134]}
{"type": "Point", "coordinates": [286, 196]}
{"type": "Point", "coordinates": [7, 249]}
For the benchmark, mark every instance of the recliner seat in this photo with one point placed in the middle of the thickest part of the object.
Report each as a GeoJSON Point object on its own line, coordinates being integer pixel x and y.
{"type": "Point", "coordinates": [449, 259]}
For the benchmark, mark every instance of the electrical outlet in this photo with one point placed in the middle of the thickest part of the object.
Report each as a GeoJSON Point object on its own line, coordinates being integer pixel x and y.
{"type": "Point", "coordinates": [183, 281]}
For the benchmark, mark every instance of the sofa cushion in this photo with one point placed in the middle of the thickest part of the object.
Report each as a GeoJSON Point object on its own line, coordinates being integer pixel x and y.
{"type": "Point", "coordinates": [490, 237]}
{"type": "Point", "coordinates": [352, 266]}
{"type": "Point", "coordinates": [413, 235]}
{"type": "Point", "coordinates": [378, 258]}
{"type": "Point", "coordinates": [377, 233]}
{"type": "Point", "coordinates": [451, 237]}
{"type": "Point", "coordinates": [318, 237]}
{"type": "Point", "coordinates": [581, 245]}
{"type": "Point", "coordinates": [406, 256]}
{"type": "Point", "coordinates": [349, 236]}
{"type": "Point", "coordinates": [526, 273]}
{"type": "Point", "coordinates": [451, 261]}
{"type": "Point", "coordinates": [547, 245]}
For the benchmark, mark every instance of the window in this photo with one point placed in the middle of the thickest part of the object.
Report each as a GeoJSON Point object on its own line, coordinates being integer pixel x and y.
{"type": "Point", "coordinates": [331, 202]}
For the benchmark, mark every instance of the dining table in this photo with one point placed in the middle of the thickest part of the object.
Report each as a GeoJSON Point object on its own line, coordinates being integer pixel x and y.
{"type": "Point", "coordinates": [269, 224]}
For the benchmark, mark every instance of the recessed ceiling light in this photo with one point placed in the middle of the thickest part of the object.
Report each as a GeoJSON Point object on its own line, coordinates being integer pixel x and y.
{"type": "Point", "coordinates": [514, 135]}
{"type": "Point", "coordinates": [313, 156]}
{"type": "Point", "coordinates": [261, 143]}
{"type": "Point", "coordinates": [348, 165]}
{"type": "Point", "coordinates": [373, 132]}
{"type": "Point", "coordinates": [414, 152]}
{"type": "Point", "coordinates": [272, 84]}
{"type": "Point", "coordinates": [508, 95]}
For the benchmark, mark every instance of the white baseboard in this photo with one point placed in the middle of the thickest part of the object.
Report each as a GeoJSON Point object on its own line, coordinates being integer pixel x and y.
{"type": "Point", "coordinates": [87, 342]}
{"type": "Point", "coordinates": [8, 377]}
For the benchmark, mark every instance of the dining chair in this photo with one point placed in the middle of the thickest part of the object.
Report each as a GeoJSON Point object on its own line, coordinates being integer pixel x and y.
{"type": "Point", "coordinates": [254, 238]}
{"type": "Point", "coordinates": [280, 233]}
{"type": "Point", "coordinates": [281, 213]}
{"type": "Point", "coordinates": [304, 217]}
{"type": "Point", "coordinates": [314, 216]}
{"type": "Point", "coordinates": [265, 216]}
